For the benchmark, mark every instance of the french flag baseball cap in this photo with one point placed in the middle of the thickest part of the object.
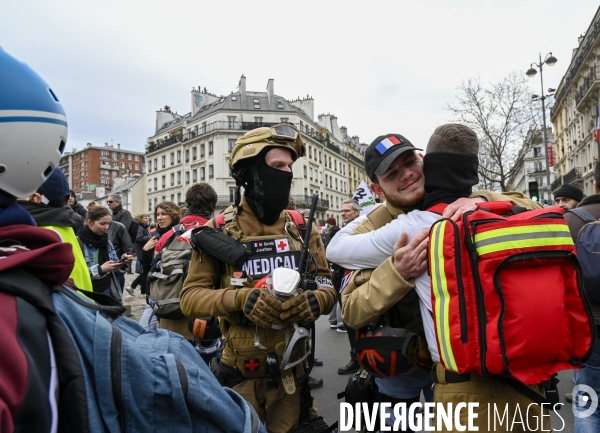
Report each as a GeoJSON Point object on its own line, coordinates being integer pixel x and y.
{"type": "Point", "coordinates": [383, 151]}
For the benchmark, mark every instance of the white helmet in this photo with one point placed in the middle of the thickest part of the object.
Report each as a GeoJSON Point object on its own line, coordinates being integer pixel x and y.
{"type": "Point", "coordinates": [33, 128]}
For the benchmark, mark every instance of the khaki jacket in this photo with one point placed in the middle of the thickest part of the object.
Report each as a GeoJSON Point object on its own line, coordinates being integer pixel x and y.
{"type": "Point", "coordinates": [206, 292]}
{"type": "Point", "coordinates": [371, 293]}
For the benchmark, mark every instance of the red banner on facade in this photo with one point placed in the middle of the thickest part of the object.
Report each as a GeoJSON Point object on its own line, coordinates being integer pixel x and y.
{"type": "Point", "coordinates": [551, 154]}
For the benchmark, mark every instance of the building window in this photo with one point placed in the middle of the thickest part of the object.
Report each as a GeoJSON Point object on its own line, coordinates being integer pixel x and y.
{"type": "Point", "coordinates": [178, 197]}
{"type": "Point", "coordinates": [178, 178]}
{"type": "Point", "coordinates": [231, 122]}
{"type": "Point", "coordinates": [187, 155]}
{"type": "Point", "coordinates": [104, 154]}
{"type": "Point", "coordinates": [285, 119]}
{"type": "Point", "coordinates": [211, 173]}
{"type": "Point", "coordinates": [232, 190]}
{"type": "Point", "coordinates": [187, 177]}
{"type": "Point", "coordinates": [172, 179]}
{"type": "Point", "coordinates": [172, 158]}
{"type": "Point", "coordinates": [137, 166]}
{"type": "Point", "coordinates": [230, 144]}
{"type": "Point", "coordinates": [194, 176]}
{"type": "Point", "coordinates": [129, 156]}
{"type": "Point", "coordinates": [121, 156]}
{"type": "Point", "coordinates": [164, 161]}
{"type": "Point", "coordinates": [311, 172]}
{"type": "Point", "coordinates": [202, 151]}
{"type": "Point", "coordinates": [305, 177]}
{"type": "Point", "coordinates": [179, 157]}
{"type": "Point", "coordinates": [155, 164]}
{"type": "Point", "coordinates": [163, 181]}
{"type": "Point", "coordinates": [149, 205]}
{"type": "Point", "coordinates": [122, 165]}
{"type": "Point", "coordinates": [202, 176]}
{"type": "Point", "coordinates": [335, 165]}
{"type": "Point", "coordinates": [194, 156]}
{"type": "Point", "coordinates": [210, 148]}
{"type": "Point", "coordinates": [137, 157]}
{"type": "Point", "coordinates": [258, 121]}
{"type": "Point", "coordinates": [204, 127]}
{"type": "Point", "coordinates": [129, 166]}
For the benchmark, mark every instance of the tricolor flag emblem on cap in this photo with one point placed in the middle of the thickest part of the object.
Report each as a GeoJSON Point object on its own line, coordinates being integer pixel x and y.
{"type": "Point", "coordinates": [386, 143]}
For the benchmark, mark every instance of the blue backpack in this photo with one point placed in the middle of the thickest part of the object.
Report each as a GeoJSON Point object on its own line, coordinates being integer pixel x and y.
{"type": "Point", "coordinates": [588, 250]}
{"type": "Point", "coordinates": [113, 376]}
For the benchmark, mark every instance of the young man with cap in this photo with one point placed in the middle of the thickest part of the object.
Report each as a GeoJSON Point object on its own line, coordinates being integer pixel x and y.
{"type": "Point", "coordinates": [256, 343]}
{"type": "Point", "coordinates": [568, 196]}
{"type": "Point", "coordinates": [398, 175]}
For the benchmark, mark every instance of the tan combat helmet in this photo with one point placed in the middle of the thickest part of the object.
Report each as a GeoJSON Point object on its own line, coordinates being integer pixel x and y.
{"type": "Point", "coordinates": [253, 142]}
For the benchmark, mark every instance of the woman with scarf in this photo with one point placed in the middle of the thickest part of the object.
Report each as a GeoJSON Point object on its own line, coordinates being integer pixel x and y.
{"type": "Point", "coordinates": [167, 215]}
{"type": "Point", "coordinates": [99, 253]}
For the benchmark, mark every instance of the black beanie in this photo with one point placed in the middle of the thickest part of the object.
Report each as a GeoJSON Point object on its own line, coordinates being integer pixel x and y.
{"type": "Point", "coordinates": [569, 191]}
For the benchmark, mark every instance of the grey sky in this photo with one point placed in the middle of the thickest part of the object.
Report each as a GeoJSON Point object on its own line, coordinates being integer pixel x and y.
{"type": "Point", "coordinates": [379, 66]}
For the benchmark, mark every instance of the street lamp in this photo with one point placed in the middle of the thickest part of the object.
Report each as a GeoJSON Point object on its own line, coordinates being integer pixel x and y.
{"type": "Point", "coordinates": [550, 60]}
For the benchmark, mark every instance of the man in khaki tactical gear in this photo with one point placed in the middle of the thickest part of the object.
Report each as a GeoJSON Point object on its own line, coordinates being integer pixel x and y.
{"type": "Point", "coordinates": [252, 319]}
{"type": "Point", "coordinates": [397, 175]}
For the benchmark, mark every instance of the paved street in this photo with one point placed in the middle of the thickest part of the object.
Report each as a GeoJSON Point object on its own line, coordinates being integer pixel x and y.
{"type": "Point", "coordinates": [333, 349]}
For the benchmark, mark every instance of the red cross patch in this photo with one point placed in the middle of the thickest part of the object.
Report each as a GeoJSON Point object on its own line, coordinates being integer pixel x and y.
{"type": "Point", "coordinates": [251, 364]}
{"type": "Point", "coordinates": [282, 245]}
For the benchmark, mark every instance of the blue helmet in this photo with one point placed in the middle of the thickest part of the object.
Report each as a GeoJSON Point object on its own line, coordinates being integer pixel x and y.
{"type": "Point", "coordinates": [33, 128]}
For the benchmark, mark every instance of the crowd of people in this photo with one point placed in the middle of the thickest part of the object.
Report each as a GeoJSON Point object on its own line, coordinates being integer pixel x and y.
{"type": "Point", "coordinates": [371, 274]}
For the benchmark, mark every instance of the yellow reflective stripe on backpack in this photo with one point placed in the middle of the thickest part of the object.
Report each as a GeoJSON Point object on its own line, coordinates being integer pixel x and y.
{"type": "Point", "coordinates": [523, 237]}
{"type": "Point", "coordinates": [442, 297]}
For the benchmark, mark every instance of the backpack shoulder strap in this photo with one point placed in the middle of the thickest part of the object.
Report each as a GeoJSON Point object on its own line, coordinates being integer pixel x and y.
{"type": "Point", "coordinates": [219, 221]}
{"type": "Point", "coordinates": [223, 218]}
{"type": "Point", "coordinates": [437, 208]}
{"type": "Point", "coordinates": [585, 215]}
{"type": "Point", "coordinates": [298, 220]}
{"type": "Point", "coordinates": [380, 216]}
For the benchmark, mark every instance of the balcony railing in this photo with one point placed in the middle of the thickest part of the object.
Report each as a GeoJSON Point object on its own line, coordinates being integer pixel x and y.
{"type": "Point", "coordinates": [572, 176]}
{"type": "Point", "coordinates": [305, 201]}
{"type": "Point", "coordinates": [586, 88]}
{"type": "Point", "coordinates": [557, 183]}
{"type": "Point", "coordinates": [243, 126]}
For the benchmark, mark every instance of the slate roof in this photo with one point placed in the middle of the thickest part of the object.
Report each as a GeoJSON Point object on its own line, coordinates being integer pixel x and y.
{"type": "Point", "coordinates": [233, 102]}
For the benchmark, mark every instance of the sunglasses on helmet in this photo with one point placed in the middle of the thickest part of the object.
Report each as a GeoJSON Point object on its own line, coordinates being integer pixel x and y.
{"type": "Point", "coordinates": [284, 132]}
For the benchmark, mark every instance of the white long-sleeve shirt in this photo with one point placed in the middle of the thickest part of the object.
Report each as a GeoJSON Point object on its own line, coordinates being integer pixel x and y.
{"type": "Point", "coordinates": [369, 250]}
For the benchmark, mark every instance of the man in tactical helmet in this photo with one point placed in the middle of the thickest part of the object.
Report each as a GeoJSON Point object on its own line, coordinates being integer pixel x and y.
{"type": "Point", "coordinates": [253, 320]}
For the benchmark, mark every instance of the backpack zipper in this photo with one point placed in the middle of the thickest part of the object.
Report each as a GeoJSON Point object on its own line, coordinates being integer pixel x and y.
{"type": "Point", "coordinates": [481, 316]}
{"type": "Point", "coordinates": [115, 368]}
{"type": "Point", "coordinates": [462, 307]}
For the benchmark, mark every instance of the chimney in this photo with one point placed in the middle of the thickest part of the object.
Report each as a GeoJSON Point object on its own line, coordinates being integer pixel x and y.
{"type": "Point", "coordinates": [580, 39]}
{"type": "Point", "coordinates": [270, 93]}
{"type": "Point", "coordinates": [344, 129]}
{"type": "Point", "coordinates": [355, 138]}
{"type": "Point", "coordinates": [242, 87]}
{"type": "Point", "coordinates": [197, 100]}
{"type": "Point", "coordinates": [89, 145]}
{"type": "Point", "coordinates": [118, 145]}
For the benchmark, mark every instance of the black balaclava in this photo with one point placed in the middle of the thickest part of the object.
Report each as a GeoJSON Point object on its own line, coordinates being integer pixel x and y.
{"type": "Point", "coordinates": [448, 177]}
{"type": "Point", "coordinates": [267, 189]}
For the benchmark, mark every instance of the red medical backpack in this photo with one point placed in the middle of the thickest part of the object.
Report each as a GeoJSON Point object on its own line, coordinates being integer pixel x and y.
{"type": "Point", "coordinates": [507, 294]}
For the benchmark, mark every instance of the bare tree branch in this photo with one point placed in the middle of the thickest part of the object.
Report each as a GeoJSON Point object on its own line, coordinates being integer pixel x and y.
{"type": "Point", "coordinates": [503, 117]}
